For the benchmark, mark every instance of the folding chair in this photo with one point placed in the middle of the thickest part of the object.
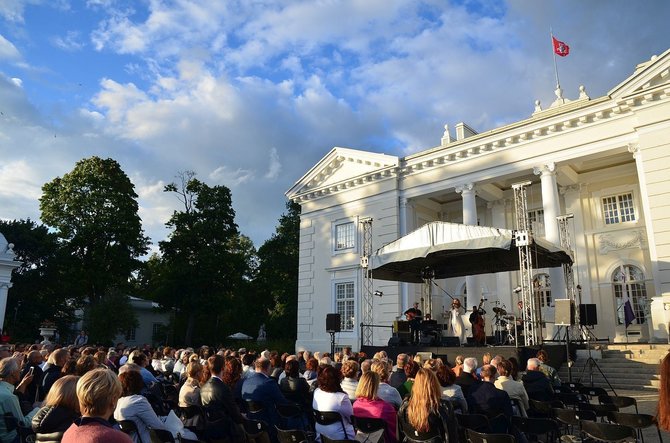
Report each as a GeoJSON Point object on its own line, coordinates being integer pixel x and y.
{"type": "Point", "coordinates": [608, 432]}
{"type": "Point", "coordinates": [635, 421]}
{"type": "Point", "coordinates": [480, 437]}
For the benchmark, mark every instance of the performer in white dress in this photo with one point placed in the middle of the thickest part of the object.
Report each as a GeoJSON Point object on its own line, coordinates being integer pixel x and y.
{"type": "Point", "coordinates": [456, 325]}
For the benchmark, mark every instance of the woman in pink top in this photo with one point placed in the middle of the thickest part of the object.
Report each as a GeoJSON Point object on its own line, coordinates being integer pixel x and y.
{"type": "Point", "coordinates": [368, 405]}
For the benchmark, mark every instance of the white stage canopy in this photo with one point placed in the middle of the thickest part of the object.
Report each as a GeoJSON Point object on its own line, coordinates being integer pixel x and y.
{"type": "Point", "coordinates": [453, 250]}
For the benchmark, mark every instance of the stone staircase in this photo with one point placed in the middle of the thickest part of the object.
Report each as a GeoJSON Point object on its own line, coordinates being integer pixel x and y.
{"type": "Point", "coordinates": [632, 366]}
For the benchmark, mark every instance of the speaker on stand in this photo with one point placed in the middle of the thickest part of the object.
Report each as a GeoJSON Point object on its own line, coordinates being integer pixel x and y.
{"type": "Point", "coordinates": [333, 325]}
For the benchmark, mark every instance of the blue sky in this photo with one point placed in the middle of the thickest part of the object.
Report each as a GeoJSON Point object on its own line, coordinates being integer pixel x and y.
{"type": "Point", "coordinates": [251, 94]}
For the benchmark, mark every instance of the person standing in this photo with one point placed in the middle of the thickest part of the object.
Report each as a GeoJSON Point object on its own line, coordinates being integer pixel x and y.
{"type": "Point", "coordinates": [456, 324]}
{"type": "Point", "coordinates": [81, 340]}
{"type": "Point", "coordinates": [414, 315]}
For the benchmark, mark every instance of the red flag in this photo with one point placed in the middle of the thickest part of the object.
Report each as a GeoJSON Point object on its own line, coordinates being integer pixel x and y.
{"type": "Point", "coordinates": [560, 48]}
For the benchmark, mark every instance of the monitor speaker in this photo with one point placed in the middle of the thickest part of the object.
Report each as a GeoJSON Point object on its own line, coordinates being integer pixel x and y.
{"type": "Point", "coordinates": [332, 322]}
{"type": "Point", "coordinates": [396, 341]}
{"type": "Point", "coordinates": [588, 315]}
{"type": "Point", "coordinates": [453, 342]}
{"type": "Point", "coordinates": [565, 312]}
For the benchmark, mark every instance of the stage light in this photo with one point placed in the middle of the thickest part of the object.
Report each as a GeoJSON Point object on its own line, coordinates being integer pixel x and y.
{"type": "Point", "coordinates": [378, 293]}
{"type": "Point", "coordinates": [517, 289]}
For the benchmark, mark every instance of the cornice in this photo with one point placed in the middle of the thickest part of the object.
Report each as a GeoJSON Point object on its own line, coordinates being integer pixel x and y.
{"type": "Point", "coordinates": [573, 116]}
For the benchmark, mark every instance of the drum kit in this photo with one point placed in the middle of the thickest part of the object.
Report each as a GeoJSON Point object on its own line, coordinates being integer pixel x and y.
{"type": "Point", "coordinates": [505, 326]}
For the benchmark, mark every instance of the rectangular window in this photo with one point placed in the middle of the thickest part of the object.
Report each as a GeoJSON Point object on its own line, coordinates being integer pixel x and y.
{"type": "Point", "coordinates": [618, 208]}
{"type": "Point", "coordinates": [344, 300]}
{"type": "Point", "coordinates": [130, 334]}
{"type": "Point", "coordinates": [157, 330]}
{"type": "Point", "coordinates": [344, 236]}
{"type": "Point", "coordinates": [536, 222]}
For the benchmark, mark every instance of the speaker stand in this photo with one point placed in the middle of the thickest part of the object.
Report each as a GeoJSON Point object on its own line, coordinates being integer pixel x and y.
{"type": "Point", "coordinates": [590, 364]}
{"type": "Point", "coordinates": [332, 343]}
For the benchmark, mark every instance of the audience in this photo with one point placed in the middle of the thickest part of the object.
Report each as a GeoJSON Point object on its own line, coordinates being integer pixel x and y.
{"type": "Point", "coordinates": [330, 397]}
{"type": "Point", "coordinates": [189, 393]}
{"type": "Point", "coordinates": [386, 392]}
{"type": "Point", "coordinates": [424, 413]}
{"type": "Point", "coordinates": [350, 380]}
{"type": "Point", "coordinates": [98, 392]}
{"type": "Point", "coordinates": [135, 407]}
{"type": "Point", "coordinates": [78, 408]}
{"type": "Point", "coordinates": [10, 375]}
{"type": "Point", "coordinates": [60, 410]}
{"type": "Point", "coordinates": [537, 385]}
{"type": "Point", "coordinates": [369, 405]}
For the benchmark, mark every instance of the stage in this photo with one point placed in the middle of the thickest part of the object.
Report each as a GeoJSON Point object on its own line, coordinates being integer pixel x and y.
{"type": "Point", "coordinates": [557, 353]}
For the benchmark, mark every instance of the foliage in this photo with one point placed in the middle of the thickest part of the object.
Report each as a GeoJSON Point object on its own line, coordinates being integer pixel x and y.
{"type": "Point", "coordinates": [94, 212]}
{"type": "Point", "coordinates": [39, 290]}
{"type": "Point", "coordinates": [93, 209]}
{"type": "Point", "coordinates": [277, 277]}
{"type": "Point", "coordinates": [104, 327]}
{"type": "Point", "coordinates": [206, 265]}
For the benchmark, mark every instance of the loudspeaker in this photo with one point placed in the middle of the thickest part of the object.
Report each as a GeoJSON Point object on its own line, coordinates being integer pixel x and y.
{"type": "Point", "coordinates": [426, 340]}
{"type": "Point", "coordinates": [588, 315]}
{"type": "Point", "coordinates": [396, 341]}
{"type": "Point", "coordinates": [332, 322]}
{"type": "Point", "coordinates": [451, 342]}
{"type": "Point", "coordinates": [564, 312]}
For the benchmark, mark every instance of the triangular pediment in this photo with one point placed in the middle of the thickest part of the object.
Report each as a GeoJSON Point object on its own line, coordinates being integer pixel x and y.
{"type": "Point", "coordinates": [648, 75]}
{"type": "Point", "coordinates": [340, 165]}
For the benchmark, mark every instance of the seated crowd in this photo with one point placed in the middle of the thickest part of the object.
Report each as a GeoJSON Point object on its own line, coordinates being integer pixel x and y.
{"type": "Point", "coordinates": [91, 394]}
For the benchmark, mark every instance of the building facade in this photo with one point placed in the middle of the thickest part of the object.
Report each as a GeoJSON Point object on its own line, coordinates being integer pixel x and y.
{"type": "Point", "coordinates": [602, 161]}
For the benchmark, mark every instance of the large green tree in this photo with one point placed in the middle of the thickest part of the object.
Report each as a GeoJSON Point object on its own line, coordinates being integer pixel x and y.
{"type": "Point", "coordinates": [39, 291]}
{"type": "Point", "coordinates": [205, 263]}
{"type": "Point", "coordinates": [276, 281]}
{"type": "Point", "coordinates": [94, 212]}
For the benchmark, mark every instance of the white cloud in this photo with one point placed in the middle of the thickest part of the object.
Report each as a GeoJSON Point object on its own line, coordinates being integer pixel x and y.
{"type": "Point", "coordinates": [70, 42]}
{"type": "Point", "coordinates": [229, 177]}
{"type": "Point", "coordinates": [275, 165]}
{"type": "Point", "coordinates": [8, 51]}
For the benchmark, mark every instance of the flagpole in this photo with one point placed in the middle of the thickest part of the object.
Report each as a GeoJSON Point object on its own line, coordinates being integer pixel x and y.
{"type": "Point", "coordinates": [551, 33]}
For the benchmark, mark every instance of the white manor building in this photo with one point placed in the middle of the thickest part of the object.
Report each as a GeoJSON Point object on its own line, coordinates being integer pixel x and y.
{"type": "Point", "coordinates": [605, 160]}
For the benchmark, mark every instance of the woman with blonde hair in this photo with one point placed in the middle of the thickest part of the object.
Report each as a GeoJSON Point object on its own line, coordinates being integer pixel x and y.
{"type": "Point", "coordinates": [60, 410]}
{"type": "Point", "coordinates": [369, 405]}
{"type": "Point", "coordinates": [189, 394]}
{"type": "Point", "coordinates": [424, 415]}
{"type": "Point", "coordinates": [98, 392]}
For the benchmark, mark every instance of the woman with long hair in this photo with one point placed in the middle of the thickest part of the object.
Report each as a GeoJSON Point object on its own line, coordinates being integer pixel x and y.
{"type": "Point", "coordinates": [61, 408]}
{"type": "Point", "coordinates": [330, 397]}
{"type": "Point", "coordinates": [189, 393]}
{"type": "Point", "coordinates": [135, 407]}
{"type": "Point", "coordinates": [663, 412]}
{"type": "Point", "coordinates": [369, 405]}
{"type": "Point", "coordinates": [424, 413]}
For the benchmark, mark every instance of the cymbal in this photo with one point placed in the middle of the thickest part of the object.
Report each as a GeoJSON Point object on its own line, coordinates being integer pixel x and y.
{"type": "Point", "coordinates": [499, 311]}
{"type": "Point", "coordinates": [508, 317]}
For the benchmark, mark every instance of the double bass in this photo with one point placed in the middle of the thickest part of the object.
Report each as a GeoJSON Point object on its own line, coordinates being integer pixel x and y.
{"type": "Point", "coordinates": [478, 332]}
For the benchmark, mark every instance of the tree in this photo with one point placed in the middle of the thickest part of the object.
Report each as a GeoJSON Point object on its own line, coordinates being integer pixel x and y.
{"type": "Point", "coordinates": [39, 291]}
{"type": "Point", "coordinates": [205, 262]}
{"type": "Point", "coordinates": [93, 210]}
{"type": "Point", "coordinates": [277, 276]}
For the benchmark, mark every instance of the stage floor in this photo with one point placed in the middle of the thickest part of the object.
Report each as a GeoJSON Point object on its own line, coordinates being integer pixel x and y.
{"type": "Point", "coordinates": [557, 353]}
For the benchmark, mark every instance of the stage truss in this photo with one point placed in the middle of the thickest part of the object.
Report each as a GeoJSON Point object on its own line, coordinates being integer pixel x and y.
{"type": "Point", "coordinates": [367, 292]}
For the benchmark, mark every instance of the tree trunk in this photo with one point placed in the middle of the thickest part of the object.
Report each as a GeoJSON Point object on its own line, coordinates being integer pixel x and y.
{"type": "Point", "coordinates": [189, 329]}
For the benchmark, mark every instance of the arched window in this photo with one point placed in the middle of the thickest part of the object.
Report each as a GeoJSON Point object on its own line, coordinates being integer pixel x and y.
{"type": "Point", "coordinates": [628, 283]}
{"type": "Point", "coordinates": [542, 290]}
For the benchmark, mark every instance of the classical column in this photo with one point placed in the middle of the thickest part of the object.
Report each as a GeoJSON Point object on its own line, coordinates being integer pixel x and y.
{"type": "Point", "coordinates": [468, 193]}
{"type": "Point", "coordinates": [503, 286]}
{"type": "Point", "coordinates": [405, 226]}
{"type": "Point", "coordinates": [4, 288]}
{"type": "Point", "coordinates": [572, 196]}
{"type": "Point", "coordinates": [552, 209]}
{"type": "Point", "coordinates": [657, 316]}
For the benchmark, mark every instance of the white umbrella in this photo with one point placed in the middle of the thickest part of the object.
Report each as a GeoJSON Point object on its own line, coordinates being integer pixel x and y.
{"type": "Point", "coordinates": [240, 336]}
